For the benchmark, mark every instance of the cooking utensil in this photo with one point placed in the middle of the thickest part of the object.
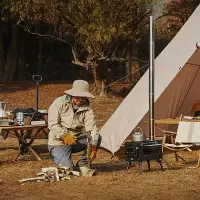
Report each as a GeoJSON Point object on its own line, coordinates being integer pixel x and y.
{"type": "Point", "coordinates": [138, 135]}
{"type": "Point", "coordinates": [20, 118]}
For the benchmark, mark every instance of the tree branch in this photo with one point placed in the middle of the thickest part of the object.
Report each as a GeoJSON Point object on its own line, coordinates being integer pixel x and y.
{"type": "Point", "coordinates": [67, 19]}
{"type": "Point", "coordinates": [114, 59]}
{"type": "Point", "coordinates": [75, 61]}
{"type": "Point", "coordinates": [44, 35]}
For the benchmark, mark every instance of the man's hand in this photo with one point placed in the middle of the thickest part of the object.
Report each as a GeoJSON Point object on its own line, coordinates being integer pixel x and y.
{"type": "Point", "coordinates": [93, 154]}
{"type": "Point", "coordinates": [69, 139]}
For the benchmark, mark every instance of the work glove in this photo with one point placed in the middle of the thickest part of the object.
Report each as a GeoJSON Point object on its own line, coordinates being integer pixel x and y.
{"type": "Point", "coordinates": [93, 153]}
{"type": "Point", "coordinates": [86, 171]}
{"type": "Point", "coordinates": [69, 139]}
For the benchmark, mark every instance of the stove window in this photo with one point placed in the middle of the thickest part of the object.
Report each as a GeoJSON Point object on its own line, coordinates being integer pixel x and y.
{"type": "Point", "coordinates": [151, 150]}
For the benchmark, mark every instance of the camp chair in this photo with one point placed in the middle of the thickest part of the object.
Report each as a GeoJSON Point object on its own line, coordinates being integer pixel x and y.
{"type": "Point", "coordinates": [175, 147]}
{"type": "Point", "coordinates": [187, 135]}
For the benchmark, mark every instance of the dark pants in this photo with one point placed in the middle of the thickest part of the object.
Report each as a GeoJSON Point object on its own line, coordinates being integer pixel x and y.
{"type": "Point", "coordinates": [62, 154]}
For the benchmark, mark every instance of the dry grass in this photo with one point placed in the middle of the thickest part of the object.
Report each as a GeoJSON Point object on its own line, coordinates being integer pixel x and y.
{"type": "Point", "coordinates": [112, 182]}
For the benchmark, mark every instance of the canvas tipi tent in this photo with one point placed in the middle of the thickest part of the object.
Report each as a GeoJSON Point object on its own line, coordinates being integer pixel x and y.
{"type": "Point", "coordinates": [177, 80]}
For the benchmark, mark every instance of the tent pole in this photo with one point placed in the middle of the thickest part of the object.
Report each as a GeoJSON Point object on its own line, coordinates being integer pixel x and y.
{"type": "Point", "coordinates": [151, 80]}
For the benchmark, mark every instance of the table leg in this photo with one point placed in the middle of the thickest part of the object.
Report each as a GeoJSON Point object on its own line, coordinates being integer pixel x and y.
{"type": "Point", "coordinates": [17, 156]}
{"type": "Point", "coordinates": [23, 141]}
{"type": "Point", "coordinates": [34, 153]}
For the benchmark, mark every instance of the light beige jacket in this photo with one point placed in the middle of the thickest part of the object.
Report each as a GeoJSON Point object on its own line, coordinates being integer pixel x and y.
{"type": "Point", "coordinates": [62, 119]}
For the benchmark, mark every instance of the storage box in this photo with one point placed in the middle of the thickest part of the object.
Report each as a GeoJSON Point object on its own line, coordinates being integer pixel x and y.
{"type": "Point", "coordinates": [38, 122]}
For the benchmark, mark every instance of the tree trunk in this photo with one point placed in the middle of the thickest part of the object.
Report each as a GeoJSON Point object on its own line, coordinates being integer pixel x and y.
{"type": "Point", "coordinates": [40, 51]}
{"type": "Point", "coordinates": [128, 64]}
{"type": "Point", "coordinates": [21, 62]}
{"type": "Point", "coordinates": [103, 85]}
{"type": "Point", "coordinates": [2, 57]}
{"type": "Point", "coordinates": [135, 65]}
{"type": "Point", "coordinates": [132, 67]}
{"type": "Point", "coordinates": [99, 84]}
{"type": "Point", "coordinates": [40, 56]}
{"type": "Point", "coordinates": [96, 82]}
{"type": "Point", "coordinates": [12, 56]}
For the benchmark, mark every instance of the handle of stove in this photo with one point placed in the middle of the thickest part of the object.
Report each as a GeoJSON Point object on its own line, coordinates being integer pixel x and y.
{"type": "Point", "coordinates": [151, 145]}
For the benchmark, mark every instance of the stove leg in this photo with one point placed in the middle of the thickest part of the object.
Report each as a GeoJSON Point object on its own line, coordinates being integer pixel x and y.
{"type": "Point", "coordinates": [17, 157]}
{"type": "Point", "coordinates": [166, 163]}
{"type": "Point", "coordinates": [160, 163]}
{"type": "Point", "coordinates": [140, 167]}
{"type": "Point", "coordinates": [148, 162]}
{"type": "Point", "coordinates": [128, 164]}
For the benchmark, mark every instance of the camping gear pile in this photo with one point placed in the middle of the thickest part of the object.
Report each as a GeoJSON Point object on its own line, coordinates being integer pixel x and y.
{"type": "Point", "coordinates": [23, 116]}
{"type": "Point", "coordinates": [35, 115]}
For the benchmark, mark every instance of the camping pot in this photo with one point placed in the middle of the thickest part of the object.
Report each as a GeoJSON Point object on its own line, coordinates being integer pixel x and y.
{"type": "Point", "coordinates": [20, 118]}
{"type": "Point", "coordinates": [138, 135]}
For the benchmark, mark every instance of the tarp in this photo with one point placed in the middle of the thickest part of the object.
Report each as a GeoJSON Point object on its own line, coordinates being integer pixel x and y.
{"type": "Point", "coordinates": [177, 80]}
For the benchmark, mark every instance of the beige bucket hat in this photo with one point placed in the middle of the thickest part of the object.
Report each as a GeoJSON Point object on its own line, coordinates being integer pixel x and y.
{"type": "Point", "coordinates": [80, 88]}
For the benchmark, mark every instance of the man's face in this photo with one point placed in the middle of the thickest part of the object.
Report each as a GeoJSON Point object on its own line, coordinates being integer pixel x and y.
{"type": "Point", "coordinates": [79, 101]}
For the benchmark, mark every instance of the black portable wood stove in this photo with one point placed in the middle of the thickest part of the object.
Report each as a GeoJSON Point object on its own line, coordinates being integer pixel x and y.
{"type": "Point", "coordinates": [149, 149]}
{"type": "Point", "coordinates": [143, 151]}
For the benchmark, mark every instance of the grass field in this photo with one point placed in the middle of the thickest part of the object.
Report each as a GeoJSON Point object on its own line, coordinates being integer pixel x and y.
{"type": "Point", "coordinates": [112, 182]}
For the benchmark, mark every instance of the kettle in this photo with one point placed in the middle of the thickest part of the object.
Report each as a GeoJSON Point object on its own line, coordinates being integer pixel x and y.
{"type": "Point", "coordinates": [138, 135]}
{"type": "Point", "coordinates": [3, 105]}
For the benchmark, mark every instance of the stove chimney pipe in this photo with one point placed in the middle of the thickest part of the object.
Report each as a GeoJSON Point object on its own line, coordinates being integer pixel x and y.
{"type": "Point", "coordinates": [151, 80]}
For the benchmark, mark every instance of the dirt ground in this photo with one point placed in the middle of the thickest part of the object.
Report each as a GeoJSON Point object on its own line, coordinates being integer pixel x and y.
{"type": "Point", "coordinates": [112, 182]}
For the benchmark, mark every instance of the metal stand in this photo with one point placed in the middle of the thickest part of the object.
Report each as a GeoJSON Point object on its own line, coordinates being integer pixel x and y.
{"type": "Point", "coordinates": [37, 79]}
{"type": "Point", "coordinates": [140, 167]}
{"type": "Point", "coordinates": [161, 166]}
{"type": "Point", "coordinates": [129, 162]}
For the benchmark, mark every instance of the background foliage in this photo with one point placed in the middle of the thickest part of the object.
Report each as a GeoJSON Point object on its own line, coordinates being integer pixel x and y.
{"type": "Point", "coordinates": [97, 40]}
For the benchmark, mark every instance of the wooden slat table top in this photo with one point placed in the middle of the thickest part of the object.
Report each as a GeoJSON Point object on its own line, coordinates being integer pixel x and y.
{"type": "Point", "coordinates": [171, 121]}
{"type": "Point", "coordinates": [27, 127]}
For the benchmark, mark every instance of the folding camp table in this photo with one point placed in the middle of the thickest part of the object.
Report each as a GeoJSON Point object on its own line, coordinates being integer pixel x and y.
{"type": "Point", "coordinates": [170, 121]}
{"type": "Point", "coordinates": [26, 136]}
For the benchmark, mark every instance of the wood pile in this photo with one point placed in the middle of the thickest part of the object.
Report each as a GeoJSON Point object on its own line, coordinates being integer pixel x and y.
{"type": "Point", "coordinates": [53, 174]}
